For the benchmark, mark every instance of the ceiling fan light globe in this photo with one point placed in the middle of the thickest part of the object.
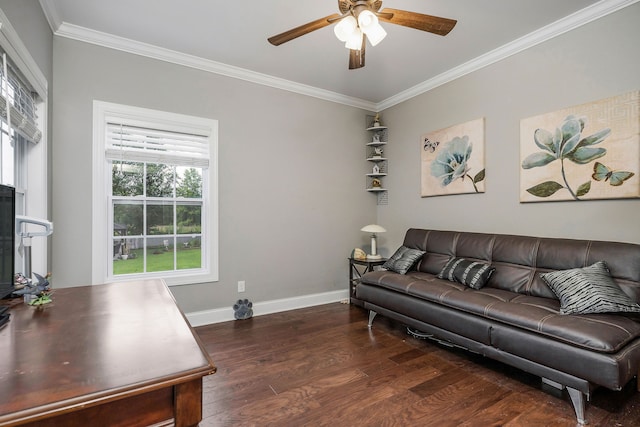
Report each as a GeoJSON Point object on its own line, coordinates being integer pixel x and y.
{"type": "Point", "coordinates": [367, 20]}
{"type": "Point", "coordinates": [345, 28]}
{"type": "Point", "coordinates": [355, 40]}
{"type": "Point", "coordinates": [376, 34]}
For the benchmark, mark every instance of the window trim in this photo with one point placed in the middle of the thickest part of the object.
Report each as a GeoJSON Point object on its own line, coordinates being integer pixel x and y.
{"type": "Point", "coordinates": [104, 112]}
{"type": "Point", "coordinates": [36, 190]}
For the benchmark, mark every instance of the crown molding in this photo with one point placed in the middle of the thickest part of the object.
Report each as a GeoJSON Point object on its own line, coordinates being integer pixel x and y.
{"type": "Point", "coordinates": [14, 47]}
{"type": "Point", "coordinates": [151, 51]}
{"type": "Point", "coordinates": [575, 20]}
{"type": "Point", "coordinates": [555, 29]}
{"type": "Point", "coordinates": [51, 13]}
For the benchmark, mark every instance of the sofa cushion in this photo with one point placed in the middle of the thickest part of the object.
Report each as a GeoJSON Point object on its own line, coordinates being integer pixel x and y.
{"type": "Point", "coordinates": [474, 274]}
{"type": "Point", "coordinates": [605, 333]}
{"type": "Point", "coordinates": [589, 290]}
{"type": "Point", "coordinates": [403, 259]}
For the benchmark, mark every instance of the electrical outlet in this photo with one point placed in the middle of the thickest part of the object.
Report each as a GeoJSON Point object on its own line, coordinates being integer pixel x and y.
{"type": "Point", "coordinates": [241, 286]}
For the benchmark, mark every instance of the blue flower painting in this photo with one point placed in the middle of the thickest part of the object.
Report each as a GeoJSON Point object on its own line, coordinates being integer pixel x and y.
{"type": "Point", "coordinates": [585, 152]}
{"type": "Point", "coordinates": [453, 160]}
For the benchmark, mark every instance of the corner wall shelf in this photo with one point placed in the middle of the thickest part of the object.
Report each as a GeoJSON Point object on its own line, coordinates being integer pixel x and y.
{"type": "Point", "coordinates": [379, 164]}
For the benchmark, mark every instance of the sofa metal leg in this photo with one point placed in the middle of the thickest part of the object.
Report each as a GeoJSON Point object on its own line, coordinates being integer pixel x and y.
{"type": "Point", "coordinates": [577, 398]}
{"type": "Point", "coordinates": [372, 315]}
{"type": "Point", "coordinates": [552, 383]}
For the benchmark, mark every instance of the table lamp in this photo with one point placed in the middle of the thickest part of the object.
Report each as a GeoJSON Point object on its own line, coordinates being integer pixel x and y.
{"type": "Point", "coordinates": [373, 229]}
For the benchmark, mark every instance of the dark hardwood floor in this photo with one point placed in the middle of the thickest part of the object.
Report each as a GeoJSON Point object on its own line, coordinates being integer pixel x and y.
{"type": "Point", "coordinates": [322, 366]}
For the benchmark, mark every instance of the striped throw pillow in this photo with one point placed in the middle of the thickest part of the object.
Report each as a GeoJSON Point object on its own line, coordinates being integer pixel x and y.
{"type": "Point", "coordinates": [474, 274]}
{"type": "Point", "coordinates": [403, 259]}
{"type": "Point", "coordinates": [588, 290]}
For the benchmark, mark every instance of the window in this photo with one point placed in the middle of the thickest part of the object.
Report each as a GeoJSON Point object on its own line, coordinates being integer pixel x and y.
{"type": "Point", "coordinates": [23, 141]}
{"type": "Point", "coordinates": [155, 178]}
{"type": "Point", "coordinates": [18, 127]}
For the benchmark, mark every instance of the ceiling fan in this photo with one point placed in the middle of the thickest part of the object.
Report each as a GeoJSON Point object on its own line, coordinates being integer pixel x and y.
{"type": "Point", "coordinates": [358, 21]}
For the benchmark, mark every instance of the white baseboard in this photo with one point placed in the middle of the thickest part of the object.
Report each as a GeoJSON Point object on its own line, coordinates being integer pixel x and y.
{"type": "Point", "coordinates": [208, 317]}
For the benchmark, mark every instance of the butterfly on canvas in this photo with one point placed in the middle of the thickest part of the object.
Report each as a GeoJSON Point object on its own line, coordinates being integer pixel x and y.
{"type": "Point", "coordinates": [603, 173]}
{"type": "Point", "coordinates": [430, 146]}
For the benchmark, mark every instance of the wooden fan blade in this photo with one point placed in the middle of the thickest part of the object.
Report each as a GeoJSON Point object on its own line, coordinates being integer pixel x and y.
{"type": "Point", "coordinates": [356, 57]}
{"type": "Point", "coordinates": [278, 39]}
{"type": "Point", "coordinates": [431, 24]}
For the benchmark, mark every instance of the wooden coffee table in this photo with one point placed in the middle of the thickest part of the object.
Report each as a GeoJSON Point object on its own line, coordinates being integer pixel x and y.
{"type": "Point", "coordinates": [120, 354]}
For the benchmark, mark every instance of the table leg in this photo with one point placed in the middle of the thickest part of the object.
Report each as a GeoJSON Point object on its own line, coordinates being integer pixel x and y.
{"type": "Point", "coordinates": [188, 403]}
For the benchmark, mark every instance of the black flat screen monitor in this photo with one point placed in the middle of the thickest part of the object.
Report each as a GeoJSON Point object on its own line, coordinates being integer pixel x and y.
{"type": "Point", "coordinates": [7, 239]}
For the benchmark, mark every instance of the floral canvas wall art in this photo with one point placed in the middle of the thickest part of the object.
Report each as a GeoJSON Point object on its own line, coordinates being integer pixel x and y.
{"type": "Point", "coordinates": [452, 160]}
{"type": "Point", "coordinates": [589, 151]}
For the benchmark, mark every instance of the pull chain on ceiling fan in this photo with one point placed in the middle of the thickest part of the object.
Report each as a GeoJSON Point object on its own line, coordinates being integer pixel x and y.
{"type": "Point", "coordinates": [359, 21]}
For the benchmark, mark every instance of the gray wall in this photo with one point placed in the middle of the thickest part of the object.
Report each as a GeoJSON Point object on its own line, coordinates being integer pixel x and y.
{"type": "Point", "coordinates": [596, 61]}
{"type": "Point", "coordinates": [27, 18]}
{"type": "Point", "coordinates": [291, 173]}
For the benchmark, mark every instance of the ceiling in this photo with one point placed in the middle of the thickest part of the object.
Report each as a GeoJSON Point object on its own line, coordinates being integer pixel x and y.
{"type": "Point", "coordinates": [230, 37]}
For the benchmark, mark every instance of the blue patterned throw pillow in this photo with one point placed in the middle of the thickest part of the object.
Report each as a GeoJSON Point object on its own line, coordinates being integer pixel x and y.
{"type": "Point", "coordinates": [474, 274]}
{"type": "Point", "coordinates": [402, 260]}
{"type": "Point", "coordinates": [588, 290]}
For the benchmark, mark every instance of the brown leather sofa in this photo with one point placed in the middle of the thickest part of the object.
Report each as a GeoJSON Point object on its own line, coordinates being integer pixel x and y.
{"type": "Point", "coordinates": [516, 317]}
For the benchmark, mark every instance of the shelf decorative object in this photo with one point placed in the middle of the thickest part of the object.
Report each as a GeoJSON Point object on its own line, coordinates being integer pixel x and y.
{"type": "Point", "coordinates": [375, 154]}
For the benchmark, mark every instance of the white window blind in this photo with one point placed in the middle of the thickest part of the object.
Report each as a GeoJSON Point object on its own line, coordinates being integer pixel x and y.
{"type": "Point", "coordinates": [22, 101]}
{"type": "Point", "coordinates": [138, 144]}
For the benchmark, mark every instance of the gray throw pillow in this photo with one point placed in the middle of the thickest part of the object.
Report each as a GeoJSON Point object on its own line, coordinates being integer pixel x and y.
{"type": "Point", "coordinates": [474, 274]}
{"type": "Point", "coordinates": [588, 290]}
{"type": "Point", "coordinates": [403, 259]}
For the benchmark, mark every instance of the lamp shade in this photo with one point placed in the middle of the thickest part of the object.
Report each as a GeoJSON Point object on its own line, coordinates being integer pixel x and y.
{"type": "Point", "coordinates": [355, 40]}
{"type": "Point", "coordinates": [373, 228]}
{"type": "Point", "coordinates": [366, 20]}
{"type": "Point", "coordinates": [345, 28]}
{"type": "Point", "coordinates": [376, 34]}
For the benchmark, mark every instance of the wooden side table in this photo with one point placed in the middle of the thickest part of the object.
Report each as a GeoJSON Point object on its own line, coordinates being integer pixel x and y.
{"type": "Point", "coordinates": [355, 274]}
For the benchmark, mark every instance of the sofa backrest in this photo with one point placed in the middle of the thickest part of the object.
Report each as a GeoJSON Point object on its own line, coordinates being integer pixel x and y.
{"type": "Point", "coordinates": [518, 260]}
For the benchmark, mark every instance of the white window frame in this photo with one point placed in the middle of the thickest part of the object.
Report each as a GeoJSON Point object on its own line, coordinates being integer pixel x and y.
{"type": "Point", "coordinates": [102, 256]}
{"type": "Point", "coordinates": [36, 190]}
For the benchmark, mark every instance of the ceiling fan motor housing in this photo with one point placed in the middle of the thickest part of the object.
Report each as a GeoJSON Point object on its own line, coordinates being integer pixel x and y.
{"type": "Point", "coordinates": [357, 6]}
